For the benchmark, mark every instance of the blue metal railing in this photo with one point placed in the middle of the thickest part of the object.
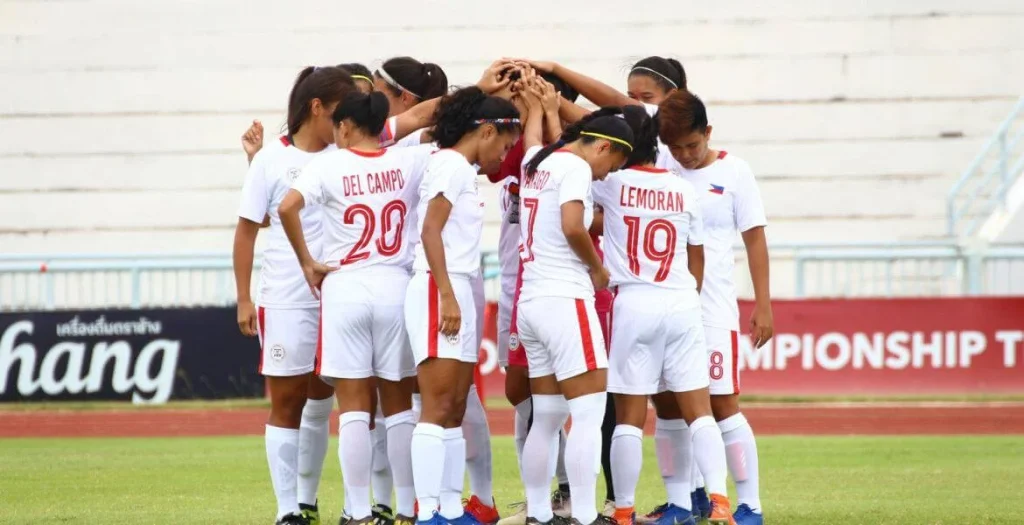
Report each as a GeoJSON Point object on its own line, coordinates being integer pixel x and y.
{"type": "Point", "coordinates": [982, 188]}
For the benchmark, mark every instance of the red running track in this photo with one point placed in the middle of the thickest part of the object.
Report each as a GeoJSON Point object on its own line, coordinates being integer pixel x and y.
{"type": "Point", "coordinates": [880, 419]}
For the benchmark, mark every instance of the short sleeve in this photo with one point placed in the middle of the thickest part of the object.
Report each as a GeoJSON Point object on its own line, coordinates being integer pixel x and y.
{"type": "Point", "coordinates": [418, 157]}
{"type": "Point", "coordinates": [603, 190]}
{"type": "Point", "coordinates": [528, 156]}
{"type": "Point", "coordinates": [255, 194]}
{"type": "Point", "coordinates": [696, 235]}
{"type": "Point", "coordinates": [387, 135]}
{"type": "Point", "coordinates": [448, 180]}
{"type": "Point", "coordinates": [310, 183]}
{"type": "Point", "coordinates": [575, 184]}
{"type": "Point", "coordinates": [652, 109]}
{"type": "Point", "coordinates": [748, 211]}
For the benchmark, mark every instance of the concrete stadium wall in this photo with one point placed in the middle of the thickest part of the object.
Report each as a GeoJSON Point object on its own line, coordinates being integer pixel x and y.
{"type": "Point", "coordinates": [120, 120]}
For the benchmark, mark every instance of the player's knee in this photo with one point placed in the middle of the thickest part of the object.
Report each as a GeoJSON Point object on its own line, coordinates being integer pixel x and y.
{"type": "Point", "coordinates": [724, 407]}
{"type": "Point", "coordinates": [517, 389]}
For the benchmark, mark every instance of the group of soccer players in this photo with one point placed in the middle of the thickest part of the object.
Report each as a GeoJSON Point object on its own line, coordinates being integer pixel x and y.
{"type": "Point", "coordinates": [616, 277]}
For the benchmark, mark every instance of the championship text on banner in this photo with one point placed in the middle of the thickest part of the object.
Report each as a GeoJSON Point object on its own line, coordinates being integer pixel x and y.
{"type": "Point", "coordinates": [146, 356]}
{"type": "Point", "coordinates": [870, 347]}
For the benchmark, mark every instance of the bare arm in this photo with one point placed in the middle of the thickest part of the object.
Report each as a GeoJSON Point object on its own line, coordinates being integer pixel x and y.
{"type": "Point", "coordinates": [597, 226]}
{"type": "Point", "coordinates": [762, 324]}
{"type": "Point", "coordinates": [578, 237]}
{"type": "Point", "coordinates": [418, 117]}
{"type": "Point", "coordinates": [594, 90]}
{"type": "Point", "coordinates": [695, 263]}
{"type": "Point", "coordinates": [242, 255]}
{"type": "Point", "coordinates": [292, 225]}
{"type": "Point", "coordinates": [572, 112]}
{"type": "Point", "coordinates": [437, 214]}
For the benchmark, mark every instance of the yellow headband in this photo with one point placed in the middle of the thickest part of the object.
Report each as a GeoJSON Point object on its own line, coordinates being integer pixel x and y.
{"type": "Point", "coordinates": [611, 139]}
{"type": "Point", "coordinates": [361, 77]}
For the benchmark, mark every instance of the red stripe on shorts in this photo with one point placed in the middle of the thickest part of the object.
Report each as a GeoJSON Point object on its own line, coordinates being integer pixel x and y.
{"type": "Point", "coordinates": [735, 362]}
{"type": "Point", "coordinates": [319, 341]}
{"type": "Point", "coordinates": [588, 342]}
{"type": "Point", "coordinates": [432, 309]}
{"type": "Point", "coordinates": [262, 329]}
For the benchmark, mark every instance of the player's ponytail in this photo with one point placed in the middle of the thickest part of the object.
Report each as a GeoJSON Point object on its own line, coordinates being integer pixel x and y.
{"type": "Point", "coordinates": [602, 124]}
{"type": "Point", "coordinates": [328, 84]}
{"type": "Point", "coordinates": [423, 81]}
{"type": "Point", "coordinates": [645, 136]}
{"type": "Point", "coordinates": [668, 73]}
{"type": "Point", "coordinates": [466, 110]}
{"type": "Point", "coordinates": [368, 112]}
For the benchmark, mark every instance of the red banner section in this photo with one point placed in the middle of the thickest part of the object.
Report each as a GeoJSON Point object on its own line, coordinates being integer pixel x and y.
{"type": "Point", "coordinates": [869, 347]}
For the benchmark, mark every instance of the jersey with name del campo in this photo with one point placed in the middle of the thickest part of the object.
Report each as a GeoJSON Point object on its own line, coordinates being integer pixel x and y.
{"type": "Point", "coordinates": [730, 203]}
{"type": "Point", "coordinates": [451, 176]}
{"type": "Point", "coordinates": [550, 267]}
{"type": "Point", "coordinates": [369, 201]}
{"type": "Point", "coordinates": [270, 176]}
{"type": "Point", "coordinates": [650, 216]}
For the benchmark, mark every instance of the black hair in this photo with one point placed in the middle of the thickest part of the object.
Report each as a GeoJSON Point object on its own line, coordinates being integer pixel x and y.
{"type": "Point", "coordinates": [356, 69]}
{"type": "Point", "coordinates": [645, 136]}
{"type": "Point", "coordinates": [604, 121]}
{"type": "Point", "coordinates": [369, 111]}
{"type": "Point", "coordinates": [423, 80]}
{"type": "Point", "coordinates": [460, 112]}
{"type": "Point", "coordinates": [563, 88]}
{"type": "Point", "coordinates": [666, 71]}
{"type": "Point", "coordinates": [679, 115]}
{"type": "Point", "coordinates": [329, 84]}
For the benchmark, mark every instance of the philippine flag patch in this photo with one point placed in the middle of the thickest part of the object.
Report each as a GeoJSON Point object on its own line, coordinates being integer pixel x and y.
{"type": "Point", "coordinates": [718, 190]}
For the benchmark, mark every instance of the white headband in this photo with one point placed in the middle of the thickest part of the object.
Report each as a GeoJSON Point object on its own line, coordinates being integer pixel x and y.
{"type": "Point", "coordinates": [669, 80]}
{"type": "Point", "coordinates": [387, 78]}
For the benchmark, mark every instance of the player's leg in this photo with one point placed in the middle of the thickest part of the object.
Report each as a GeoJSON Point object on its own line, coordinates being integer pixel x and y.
{"type": "Point", "coordinates": [603, 304]}
{"type": "Point", "coordinates": [382, 480]}
{"type": "Point", "coordinates": [477, 433]}
{"type": "Point", "coordinates": [740, 445]}
{"type": "Point", "coordinates": [287, 365]}
{"type": "Point", "coordinates": [314, 433]}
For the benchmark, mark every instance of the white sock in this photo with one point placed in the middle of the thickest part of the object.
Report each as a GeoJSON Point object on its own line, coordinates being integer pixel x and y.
{"type": "Point", "coordinates": [283, 458]}
{"type": "Point", "coordinates": [673, 446]}
{"type": "Point", "coordinates": [627, 457]}
{"type": "Point", "coordinates": [741, 454]}
{"type": "Point", "coordinates": [417, 406]}
{"type": "Point", "coordinates": [583, 454]}
{"type": "Point", "coordinates": [709, 450]}
{"type": "Point", "coordinates": [697, 477]}
{"type": "Point", "coordinates": [399, 428]}
{"type": "Point", "coordinates": [355, 449]}
{"type": "Point", "coordinates": [454, 473]}
{"type": "Point", "coordinates": [381, 479]}
{"type": "Point", "coordinates": [427, 467]}
{"type": "Point", "coordinates": [314, 431]}
{"type": "Point", "coordinates": [522, 426]}
{"type": "Point", "coordinates": [549, 415]}
{"type": "Point", "coordinates": [560, 473]}
{"type": "Point", "coordinates": [478, 449]}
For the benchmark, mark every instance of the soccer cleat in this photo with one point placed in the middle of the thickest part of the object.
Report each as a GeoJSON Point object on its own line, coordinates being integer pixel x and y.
{"type": "Point", "coordinates": [600, 520]}
{"type": "Point", "coordinates": [404, 520]}
{"type": "Point", "coordinates": [382, 515]}
{"type": "Point", "coordinates": [609, 509]}
{"type": "Point", "coordinates": [465, 519]}
{"type": "Point", "coordinates": [435, 519]}
{"type": "Point", "coordinates": [653, 515]}
{"type": "Point", "coordinates": [721, 513]}
{"type": "Point", "coordinates": [310, 512]}
{"type": "Point", "coordinates": [561, 503]}
{"type": "Point", "coordinates": [555, 520]}
{"type": "Point", "coordinates": [518, 516]}
{"type": "Point", "coordinates": [625, 516]}
{"type": "Point", "coordinates": [486, 515]}
{"type": "Point", "coordinates": [745, 516]}
{"type": "Point", "coordinates": [700, 504]}
{"type": "Point", "coordinates": [674, 515]}
{"type": "Point", "coordinates": [293, 519]}
{"type": "Point", "coordinates": [345, 519]}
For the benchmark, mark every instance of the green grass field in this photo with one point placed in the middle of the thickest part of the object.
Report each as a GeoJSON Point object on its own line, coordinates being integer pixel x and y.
{"type": "Point", "coordinates": [805, 480]}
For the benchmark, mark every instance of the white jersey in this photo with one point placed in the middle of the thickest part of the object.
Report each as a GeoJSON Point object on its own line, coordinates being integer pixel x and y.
{"type": "Point", "coordinates": [508, 237]}
{"type": "Point", "coordinates": [369, 202]}
{"type": "Point", "coordinates": [730, 202]}
{"type": "Point", "coordinates": [550, 267]}
{"type": "Point", "coordinates": [449, 174]}
{"type": "Point", "coordinates": [650, 216]}
{"type": "Point", "coordinates": [270, 176]}
{"type": "Point", "coordinates": [390, 131]}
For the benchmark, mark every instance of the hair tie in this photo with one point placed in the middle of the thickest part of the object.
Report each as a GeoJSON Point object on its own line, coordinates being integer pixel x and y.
{"type": "Point", "coordinates": [496, 121]}
{"type": "Point", "coordinates": [669, 80]}
{"type": "Point", "coordinates": [362, 77]}
{"type": "Point", "coordinates": [391, 82]}
{"type": "Point", "coordinates": [608, 138]}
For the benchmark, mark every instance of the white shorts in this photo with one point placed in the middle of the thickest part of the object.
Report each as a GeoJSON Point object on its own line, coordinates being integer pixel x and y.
{"type": "Point", "coordinates": [723, 360]}
{"type": "Point", "coordinates": [657, 342]}
{"type": "Point", "coordinates": [508, 292]}
{"type": "Point", "coordinates": [288, 340]}
{"type": "Point", "coordinates": [422, 308]}
{"type": "Point", "coordinates": [363, 333]}
{"type": "Point", "coordinates": [562, 336]}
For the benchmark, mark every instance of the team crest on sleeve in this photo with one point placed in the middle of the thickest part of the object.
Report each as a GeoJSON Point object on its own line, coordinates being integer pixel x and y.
{"type": "Point", "coordinates": [452, 339]}
{"type": "Point", "coordinates": [277, 353]}
{"type": "Point", "coordinates": [513, 341]}
{"type": "Point", "coordinates": [293, 173]}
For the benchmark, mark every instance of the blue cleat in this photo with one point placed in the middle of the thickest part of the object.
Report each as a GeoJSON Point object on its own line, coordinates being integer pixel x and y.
{"type": "Point", "coordinates": [466, 518]}
{"type": "Point", "coordinates": [435, 519]}
{"type": "Point", "coordinates": [700, 504]}
{"type": "Point", "coordinates": [674, 515]}
{"type": "Point", "coordinates": [745, 516]}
